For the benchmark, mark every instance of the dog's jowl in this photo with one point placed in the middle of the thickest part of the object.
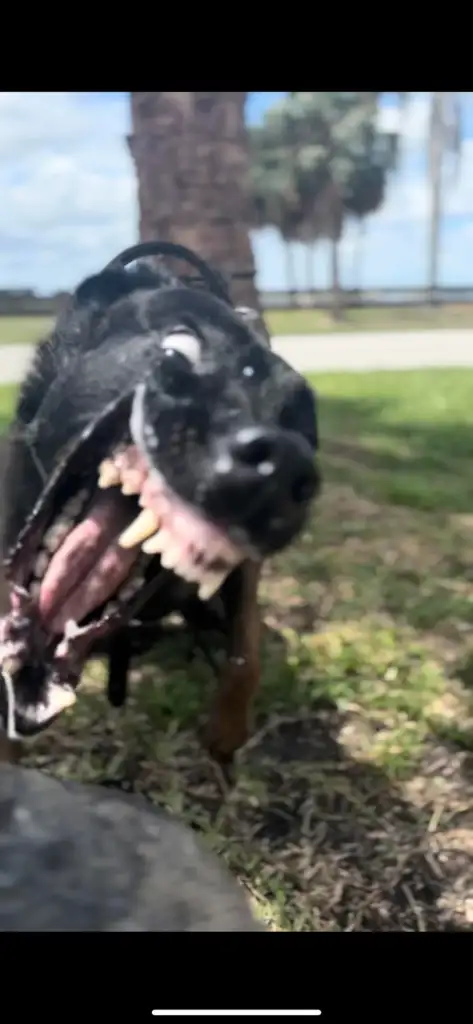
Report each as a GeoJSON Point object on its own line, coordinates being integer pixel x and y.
{"type": "Point", "coordinates": [159, 453]}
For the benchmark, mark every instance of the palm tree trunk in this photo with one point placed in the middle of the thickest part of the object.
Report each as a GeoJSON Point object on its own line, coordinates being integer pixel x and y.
{"type": "Point", "coordinates": [336, 293]}
{"type": "Point", "coordinates": [336, 210]}
{"type": "Point", "coordinates": [309, 265]}
{"type": "Point", "coordinates": [191, 158]}
{"type": "Point", "coordinates": [436, 160]}
{"type": "Point", "coordinates": [290, 276]}
{"type": "Point", "coordinates": [358, 256]}
{"type": "Point", "coordinates": [434, 235]}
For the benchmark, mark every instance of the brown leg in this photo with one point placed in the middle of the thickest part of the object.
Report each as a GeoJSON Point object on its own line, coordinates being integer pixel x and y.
{"type": "Point", "coordinates": [9, 751]}
{"type": "Point", "coordinates": [229, 722]}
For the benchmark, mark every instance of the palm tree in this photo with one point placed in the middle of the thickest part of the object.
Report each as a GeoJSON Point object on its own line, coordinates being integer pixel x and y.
{"type": "Point", "coordinates": [366, 187]}
{"type": "Point", "coordinates": [445, 139]}
{"type": "Point", "coordinates": [274, 198]}
{"type": "Point", "coordinates": [317, 159]}
{"type": "Point", "coordinates": [190, 151]}
{"type": "Point", "coordinates": [356, 161]}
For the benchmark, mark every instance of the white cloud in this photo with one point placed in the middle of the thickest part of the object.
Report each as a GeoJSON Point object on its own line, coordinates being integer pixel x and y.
{"type": "Point", "coordinates": [412, 120]}
{"type": "Point", "coordinates": [69, 199]}
{"type": "Point", "coordinates": [67, 185]}
{"type": "Point", "coordinates": [408, 196]}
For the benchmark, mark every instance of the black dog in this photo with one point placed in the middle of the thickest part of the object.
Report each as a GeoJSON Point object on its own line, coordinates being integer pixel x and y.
{"type": "Point", "coordinates": [160, 451]}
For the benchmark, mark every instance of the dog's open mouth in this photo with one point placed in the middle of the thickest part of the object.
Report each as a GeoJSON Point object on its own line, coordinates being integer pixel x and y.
{"type": "Point", "coordinates": [101, 556]}
{"type": "Point", "coordinates": [92, 568]}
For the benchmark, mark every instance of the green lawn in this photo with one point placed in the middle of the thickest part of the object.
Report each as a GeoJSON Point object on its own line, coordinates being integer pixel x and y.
{"type": "Point", "coordinates": [353, 807]}
{"type": "Point", "coordinates": [7, 405]}
{"type": "Point", "coordinates": [23, 330]}
{"type": "Point", "coordinates": [27, 330]}
{"type": "Point", "coordinates": [307, 321]}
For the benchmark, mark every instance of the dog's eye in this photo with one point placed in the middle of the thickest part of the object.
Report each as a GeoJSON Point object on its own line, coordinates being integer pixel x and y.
{"type": "Point", "coordinates": [254, 364]}
{"type": "Point", "coordinates": [183, 344]}
{"type": "Point", "coordinates": [177, 373]}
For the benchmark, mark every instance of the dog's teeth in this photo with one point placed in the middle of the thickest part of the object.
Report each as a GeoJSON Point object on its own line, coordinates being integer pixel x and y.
{"type": "Point", "coordinates": [41, 564]}
{"type": "Point", "coordinates": [142, 527]}
{"type": "Point", "coordinates": [170, 557]}
{"type": "Point", "coordinates": [157, 543]}
{"type": "Point", "coordinates": [130, 488]}
{"type": "Point", "coordinates": [109, 475]}
{"type": "Point", "coordinates": [12, 665]}
{"type": "Point", "coordinates": [71, 629]}
{"type": "Point", "coordinates": [35, 589]}
{"type": "Point", "coordinates": [55, 536]}
{"type": "Point", "coordinates": [111, 609]}
{"type": "Point", "coordinates": [160, 541]}
{"type": "Point", "coordinates": [210, 584]}
{"type": "Point", "coordinates": [130, 589]}
{"type": "Point", "coordinates": [75, 505]}
{"type": "Point", "coordinates": [190, 573]}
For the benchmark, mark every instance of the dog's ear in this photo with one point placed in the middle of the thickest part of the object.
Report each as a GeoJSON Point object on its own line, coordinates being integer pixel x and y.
{"type": "Point", "coordinates": [105, 288]}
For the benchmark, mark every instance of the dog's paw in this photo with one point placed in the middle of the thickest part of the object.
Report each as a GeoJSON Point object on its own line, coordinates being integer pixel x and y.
{"type": "Point", "coordinates": [222, 740]}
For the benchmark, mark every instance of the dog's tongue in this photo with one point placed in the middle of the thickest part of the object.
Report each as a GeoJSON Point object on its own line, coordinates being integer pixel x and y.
{"type": "Point", "coordinates": [89, 565]}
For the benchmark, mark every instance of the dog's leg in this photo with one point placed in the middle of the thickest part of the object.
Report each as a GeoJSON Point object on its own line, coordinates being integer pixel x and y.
{"type": "Point", "coordinates": [229, 721]}
{"type": "Point", "coordinates": [10, 751]}
{"type": "Point", "coordinates": [118, 666]}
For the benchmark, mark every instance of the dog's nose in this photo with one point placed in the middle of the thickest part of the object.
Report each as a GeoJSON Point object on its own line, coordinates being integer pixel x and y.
{"type": "Point", "coordinates": [263, 479]}
{"type": "Point", "coordinates": [276, 456]}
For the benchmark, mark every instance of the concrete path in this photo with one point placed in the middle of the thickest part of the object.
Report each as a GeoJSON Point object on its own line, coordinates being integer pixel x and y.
{"type": "Point", "coordinates": [14, 360]}
{"type": "Point", "coordinates": [377, 351]}
{"type": "Point", "coordinates": [367, 351]}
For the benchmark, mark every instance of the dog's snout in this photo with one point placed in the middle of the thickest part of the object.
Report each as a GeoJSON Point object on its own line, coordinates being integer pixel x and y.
{"type": "Point", "coordinates": [262, 480]}
{"type": "Point", "coordinates": [256, 448]}
{"type": "Point", "coordinates": [272, 453]}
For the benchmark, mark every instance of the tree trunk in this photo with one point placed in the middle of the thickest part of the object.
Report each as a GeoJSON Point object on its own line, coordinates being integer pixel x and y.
{"type": "Point", "coordinates": [310, 283]}
{"type": "Point", "coordinates": [290, 277]}
{"type": "Point", "coordinates": [358, 256]}
{"type": "Point", "coordinates": [191, 158]}
{"type": "Point", "coordinates": [336, 215]}
{"type": "Point", "coordinates": [436, 154]}
{"type": "Point", "coordinates": [337, 311]}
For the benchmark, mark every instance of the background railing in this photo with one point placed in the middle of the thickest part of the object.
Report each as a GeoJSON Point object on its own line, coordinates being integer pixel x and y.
{"type": "Point", "coordinates": [29, 304]}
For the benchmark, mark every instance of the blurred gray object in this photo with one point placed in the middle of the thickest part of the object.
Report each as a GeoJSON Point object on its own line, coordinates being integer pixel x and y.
{"type": "Point", "coordinates": [75, 857]}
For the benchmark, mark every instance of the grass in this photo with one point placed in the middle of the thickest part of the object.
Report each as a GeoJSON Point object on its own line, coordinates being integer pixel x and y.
{"type": "Point", "coordinates": [8, 395]}
{"type": "Point", "coordinates": [25, 330]}
{"type": "Point", "coordinates": [315, 321]}
{"type": "Point", "coordinates": [353, 805]}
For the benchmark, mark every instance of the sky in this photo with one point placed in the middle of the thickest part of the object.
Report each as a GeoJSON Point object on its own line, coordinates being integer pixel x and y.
{"type": "Point", "coordinates": [68, 199]}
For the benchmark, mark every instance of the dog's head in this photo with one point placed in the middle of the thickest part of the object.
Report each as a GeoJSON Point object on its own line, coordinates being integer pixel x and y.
{"type": "Point", "coordinates": [156, 432]}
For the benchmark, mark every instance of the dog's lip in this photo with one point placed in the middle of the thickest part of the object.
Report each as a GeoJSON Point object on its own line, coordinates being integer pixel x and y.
{"type": "Point", "coordinates": [23, 720]}
{"type": "Point", "coordinates": [143, 438]}
{"type": "Point", "coordinates": [237, 535]}
{"type": "Point", "coordinates": [26, 540]}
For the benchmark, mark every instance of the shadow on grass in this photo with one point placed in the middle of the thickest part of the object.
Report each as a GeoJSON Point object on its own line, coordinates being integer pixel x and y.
{"type": "Point", "coordinates": [321, 839]}
{"type": "Point", "coordinates": [422, 463]}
